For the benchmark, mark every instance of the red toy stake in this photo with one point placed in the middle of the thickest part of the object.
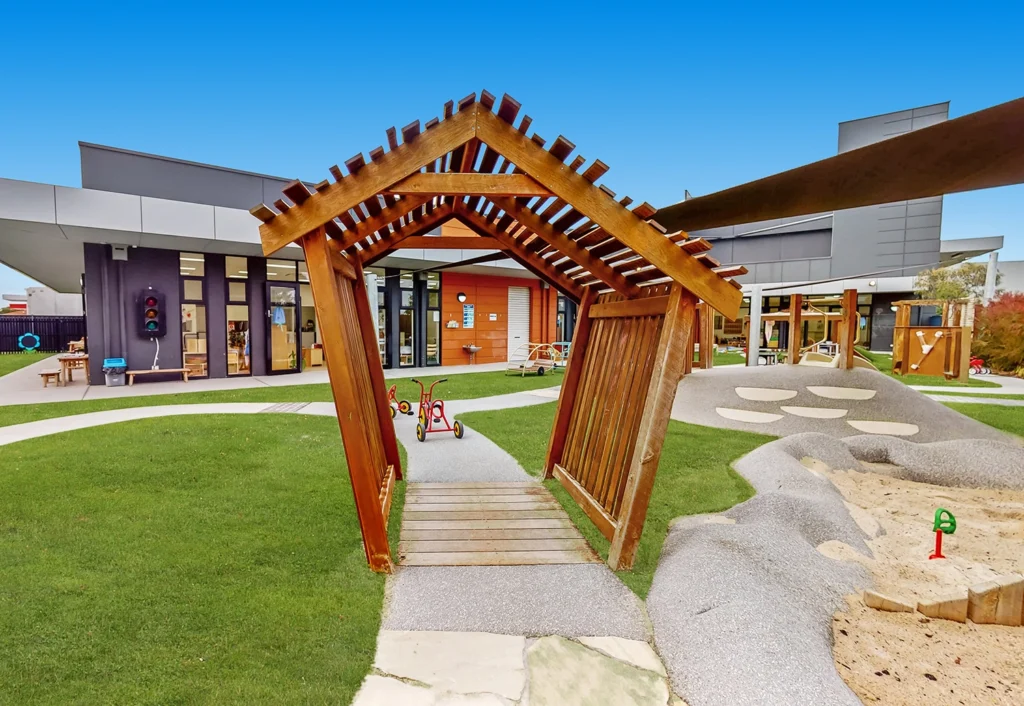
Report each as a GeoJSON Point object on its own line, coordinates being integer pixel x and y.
{"type": "Point", "coordinates": [944, 523]}
{"type": "Point", "coordinates": [938, 546]}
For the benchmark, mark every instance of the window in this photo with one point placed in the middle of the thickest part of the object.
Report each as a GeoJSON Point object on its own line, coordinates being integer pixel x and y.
{"type": "Point", "coordinates": [192, 268]}
{"type": "Point", "coordinates": [433, 337]}
{"type": "Point", "coordinates": [282, 270]}
{"type": "Point", "coordinates": [406, 322]}
{"type": "Point", "coordinates": [375, 292]}
{"type": "Point", "coordinates": [236, 276]}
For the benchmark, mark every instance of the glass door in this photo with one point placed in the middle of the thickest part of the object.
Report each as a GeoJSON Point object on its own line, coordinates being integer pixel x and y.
{"type": "Point", "coordinates": [282, 328]}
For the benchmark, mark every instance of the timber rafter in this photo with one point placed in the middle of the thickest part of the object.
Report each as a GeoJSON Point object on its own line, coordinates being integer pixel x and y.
{"type": "Point", "coordinates": [543, 209]}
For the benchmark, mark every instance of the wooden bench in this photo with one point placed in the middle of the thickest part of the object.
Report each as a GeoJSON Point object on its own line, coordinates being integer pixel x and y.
{"type": "Point", "coordinates": [180, 371]}
{"type": "Point", "coordinates": [48, 375]}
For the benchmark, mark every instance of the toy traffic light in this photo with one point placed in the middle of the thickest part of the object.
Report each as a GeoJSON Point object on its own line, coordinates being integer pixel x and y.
{"type": "Point", "coordinates": [152, 314]}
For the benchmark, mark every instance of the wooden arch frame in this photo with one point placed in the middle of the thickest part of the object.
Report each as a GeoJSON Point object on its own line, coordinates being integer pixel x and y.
{"type": "Point", "coordinates": [636, 284]}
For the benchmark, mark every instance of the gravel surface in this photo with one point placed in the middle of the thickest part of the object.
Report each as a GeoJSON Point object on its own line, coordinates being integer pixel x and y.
{"type": "Point", "coordinates": [700, 393]}
{"type": "Point", "coordinates": [742, 612]}
{"type": "Point", "coordinates": [573, 600]}
{"type": "Point", "coordinates": [965, 464]}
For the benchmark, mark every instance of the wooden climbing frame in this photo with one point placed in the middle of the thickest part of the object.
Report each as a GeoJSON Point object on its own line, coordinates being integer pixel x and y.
{"type": "Point", "coordinates": [637, 285]}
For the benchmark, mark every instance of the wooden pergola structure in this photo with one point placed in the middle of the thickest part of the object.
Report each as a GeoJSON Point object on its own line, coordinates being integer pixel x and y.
{"type": "Point", "coordinates": [934, 350]}
{"type": "Point", "coordinates": [636, 284]}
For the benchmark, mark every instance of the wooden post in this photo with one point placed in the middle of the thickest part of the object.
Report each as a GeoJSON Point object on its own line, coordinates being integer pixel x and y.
{"type": "Point", "coordinates": [900, 340]}
{"type": "Point", "coordinates": [692, 341]}
{"type": "Point", "coordinates": [570, 382]}
{"type": "Point", "coordinates": [368, 329]}
{"type": "Point", "coordinates": [342, 354]}
{"type": "Point", "coordinates": [668, 366]}
{"type": "Point", "coordinates": [796, 328]}
{"type": "Point", "coordinates": [848, 329]}
{"type": "Point", "coordinates": [706, 329]}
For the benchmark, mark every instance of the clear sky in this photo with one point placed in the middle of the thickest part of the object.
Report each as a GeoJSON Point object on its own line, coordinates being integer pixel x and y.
{"type": "Point", "coordinates": [673, 96]}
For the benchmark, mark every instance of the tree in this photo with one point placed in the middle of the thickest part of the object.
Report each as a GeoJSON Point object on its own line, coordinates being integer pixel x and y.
{"type": "Point", "coordinates": [1000, 333]}
{"type": "Point", "coordinates": [967, 281]}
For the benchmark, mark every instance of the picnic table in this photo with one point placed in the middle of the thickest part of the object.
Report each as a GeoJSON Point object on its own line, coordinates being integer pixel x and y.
{"type": "Point", "coordinates": [71, 362]}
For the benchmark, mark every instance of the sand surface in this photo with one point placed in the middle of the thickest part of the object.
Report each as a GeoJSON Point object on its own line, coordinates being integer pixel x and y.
{"type": "Point", "coordinates": [906, 658]}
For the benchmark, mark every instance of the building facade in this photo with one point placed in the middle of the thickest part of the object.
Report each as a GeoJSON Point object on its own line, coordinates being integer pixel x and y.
{"type": "Point", "coordinates": [876, 250]}
{"type": "Point", "coordinates": [144, 224]}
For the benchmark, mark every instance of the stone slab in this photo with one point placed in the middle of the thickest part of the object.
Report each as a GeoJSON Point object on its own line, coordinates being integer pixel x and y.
{"type": "Point", "coordinates": [634, 652]}
{"type": "Point", "coordinates": [382, 691]}
{"type": "Point", "coordinates": [946, 608]}
{"type": "Point", "coordinates": [461, 662]}
{"type": "Point", "coordinates": [878, 601]}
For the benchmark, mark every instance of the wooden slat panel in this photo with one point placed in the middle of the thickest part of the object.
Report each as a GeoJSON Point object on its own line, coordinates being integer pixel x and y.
{"type": "Point", "coordinates": [647, 306]}
{"type": "Point", "coordinates": [560, 523]}
{"type": "Point", "coordinates": [468, 183]}
{"type": "Point", "coordinates": [521, 506]}
{"type": "Point", "coordinates": [413, 487]}
{"type": "Point", "coordinates": [601, 519]}
{"type": "Point", "coordinates": [420, 491]}
{"type": "Point", "coordinates": [487, 515]}
{"type": "Point", "coordinates": [497, 558]}
{"type": "Point", "coordinates": [429, 499]}
{"type": "Point", "coordinates": [411, 546]}
{"type": "Point", "coordinates": [452, 534]}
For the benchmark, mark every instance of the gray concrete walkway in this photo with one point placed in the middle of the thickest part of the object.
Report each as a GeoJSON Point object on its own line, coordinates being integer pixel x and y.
{"type": "Point", "coordinates": [977, 400]}
{"type": "Point", "coordinates": [24, 387]}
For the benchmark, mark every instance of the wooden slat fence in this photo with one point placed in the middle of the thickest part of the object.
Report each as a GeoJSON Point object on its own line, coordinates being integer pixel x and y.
{"type": "Point", "coordinates": [54, 332]}
{"type": "Point", "coordinates": [627, 358]}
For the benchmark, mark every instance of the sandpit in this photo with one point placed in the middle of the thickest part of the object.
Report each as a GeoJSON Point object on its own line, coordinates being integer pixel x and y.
{"type": "Point", "coordinates": [906, 658]}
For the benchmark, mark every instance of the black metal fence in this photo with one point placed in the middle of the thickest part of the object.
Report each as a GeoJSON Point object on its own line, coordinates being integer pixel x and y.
{"type": "Point", "coordinates": [39, 333]}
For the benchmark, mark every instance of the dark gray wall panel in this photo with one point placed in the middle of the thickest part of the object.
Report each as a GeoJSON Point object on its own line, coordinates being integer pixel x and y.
{"type": "Point", "coordinates": [216, 317]}
{"type": "Point", "coordinates": [257, 268]}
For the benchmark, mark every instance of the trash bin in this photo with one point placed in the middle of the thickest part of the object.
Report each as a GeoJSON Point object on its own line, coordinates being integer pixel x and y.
{"type": "Point", "coordinates": [114, 370]}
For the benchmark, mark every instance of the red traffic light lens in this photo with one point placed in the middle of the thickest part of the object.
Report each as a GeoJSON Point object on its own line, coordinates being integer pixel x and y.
{"type": "Point", "coordinates": [150, 301]}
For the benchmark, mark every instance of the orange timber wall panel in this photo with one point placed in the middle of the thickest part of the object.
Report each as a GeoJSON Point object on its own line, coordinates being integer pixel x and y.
{"type": "Point", "coordinates": [489, 295]}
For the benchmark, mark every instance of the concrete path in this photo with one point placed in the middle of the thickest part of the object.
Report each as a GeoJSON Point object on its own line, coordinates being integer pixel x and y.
{"type": "Point", "coordinates": [977, 400]}
{"type": "Point", "coordinates": [1007, 386]}
{"type": "Point", "coordinates": [24, 387]}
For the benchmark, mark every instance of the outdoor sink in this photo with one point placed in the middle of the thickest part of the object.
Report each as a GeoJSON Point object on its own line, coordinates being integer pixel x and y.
{"type": "Point", "coordinates": [471, 348]}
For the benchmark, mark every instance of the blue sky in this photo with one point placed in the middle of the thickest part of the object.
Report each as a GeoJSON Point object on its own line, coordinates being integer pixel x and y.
{"type": "Point", "coordinates": [671, 96]}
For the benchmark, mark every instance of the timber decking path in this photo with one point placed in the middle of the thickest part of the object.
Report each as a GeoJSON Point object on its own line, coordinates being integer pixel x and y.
{"type": "Point", "coordinates": [488, 524]}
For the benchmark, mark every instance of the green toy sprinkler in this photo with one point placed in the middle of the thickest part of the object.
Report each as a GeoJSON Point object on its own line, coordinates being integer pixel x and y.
{"type": "Point", "coordinates": [944, 523]}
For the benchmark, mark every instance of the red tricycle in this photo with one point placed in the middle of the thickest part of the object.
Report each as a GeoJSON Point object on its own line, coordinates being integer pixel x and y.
{"type": "Point", "coordinates": [978, 366]}
{"type": "Point", "coordinates": [432, 416]}
{"type": "Point", "coordinates": [397, 405]}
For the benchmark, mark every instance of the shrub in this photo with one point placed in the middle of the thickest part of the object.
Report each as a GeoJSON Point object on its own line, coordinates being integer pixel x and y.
{"type": "Point", "coordinates": [999, 337]}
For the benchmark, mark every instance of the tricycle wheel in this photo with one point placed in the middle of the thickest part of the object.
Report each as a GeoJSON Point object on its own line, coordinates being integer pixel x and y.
{"type": "Point", "coordinates": [459, 429]}
{"type": "Point", "coordinates": [393, 412]}
{"type": "Point", "coordinates": [421, 433]}
{"type": "Point", "coordinates": [540, 371]}
{"type": "Point", "coordinates": [422, 416]}
{"type": "Point", "coordinates": [404, 407]}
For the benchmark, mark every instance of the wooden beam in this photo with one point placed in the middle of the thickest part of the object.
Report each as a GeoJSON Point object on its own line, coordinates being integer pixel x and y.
{"type": "Point", "coordinates": [470, 183]}
{"type": "Point", "coordinates": [341, 265]}
{"type": "Point", "coordinates": [371, 180]}
{"type": "Point", "coordinates": [382, 220]}
{"type": "Point", "coordinates": [570, 382]}
{"type": "Point", "coordinates": [342, 363]}
{"type": "Point", "coordinates": [645, 306]}
{"type": "Point", "coordinates": [531, 261]}
{"type": "Point", "coordinates": [418, 227]}
{"type": "Point", "coordinates": [451, 242]}
{"type": "Point", "coordinates": [597, 514]}
{"type": "Point", "coordinates": [620, 223]}
{"type": "Point", "coordinates": [848, 329]}
{"type": "Point", "coordinates": [706, 324]}
{"type": "Point", "coordinates": [796, 326]}
{"type": "Point", "coordinates": [368, 330]}
{"type": "Point", "coordinates": [567, 247]}
{"type": "Point", "coordinates": [661, 392]}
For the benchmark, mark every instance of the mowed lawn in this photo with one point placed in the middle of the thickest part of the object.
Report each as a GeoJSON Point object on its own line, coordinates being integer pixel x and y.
{"type": "Point", "coordinates": [694, 476]}
{"type": "Point", "coordinates": [9, 362]}
{"type": "Point", "coordinates": [458, 387]}
{"type": "Point", "coordinates": [199, 560]}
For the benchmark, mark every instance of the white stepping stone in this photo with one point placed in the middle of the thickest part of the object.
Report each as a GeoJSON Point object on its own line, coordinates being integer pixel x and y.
{"type": "Point", "coordinates": [746, 415]}
{"type": "Point", "coordinates": [815, 412]}
{"type": "Point", "coordinates": [462, 662]}
{"type": "Point", "coordinates": [842, 393]}
{"type": "Point", "coordinates": [887, 428]}
{"type": "Point", "coordinates": [382, 691]}
{"type": "Point", "coordinates": [765, 394]}
{"type": "Point", "coordinates": [634, 652]}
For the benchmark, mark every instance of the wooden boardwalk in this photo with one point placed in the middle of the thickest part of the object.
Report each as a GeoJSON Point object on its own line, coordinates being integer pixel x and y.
{"type": "Point", "coordinates": [488, 524]}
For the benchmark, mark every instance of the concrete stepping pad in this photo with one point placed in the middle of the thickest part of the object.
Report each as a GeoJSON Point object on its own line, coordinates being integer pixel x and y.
{"type": "Point", "coordinates": [886, 428]}
{"type": "Point", "coordinates": [746, 415]}
{"type": "Point", "coordinates": [841, 393]}
{"type": "Point", "coordinates": [815, 412]}
{"type": "Point", "coordinates": [765, 394]}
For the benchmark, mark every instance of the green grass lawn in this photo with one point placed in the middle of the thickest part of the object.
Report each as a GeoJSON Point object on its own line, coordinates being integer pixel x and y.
{"type": "Point", "coordinates": [198, 560]}
{"type": "Point", "coordinates": [883, 362]}
{"type": "Point", "coordinates": [694, 476]}
{"type": "Point", "coordinates": [1008, 419]}
{"type": "Point", "coordinates": [9, 362]}
{"type": "Point", "coordinates": [458, 387]}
